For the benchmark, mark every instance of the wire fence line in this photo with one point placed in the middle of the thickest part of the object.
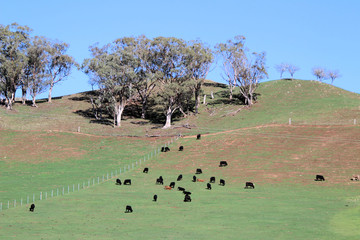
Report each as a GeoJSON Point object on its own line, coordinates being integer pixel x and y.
{"type": "Point", "coordinates": [85, 184]}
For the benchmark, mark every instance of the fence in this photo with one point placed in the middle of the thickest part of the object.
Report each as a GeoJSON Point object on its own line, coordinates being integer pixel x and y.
{"type": "Point", "coordinates": [85, 184]}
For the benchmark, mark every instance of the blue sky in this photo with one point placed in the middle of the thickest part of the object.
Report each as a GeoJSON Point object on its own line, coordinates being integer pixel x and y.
{"type": "Point", "coordinates": [306, 33]}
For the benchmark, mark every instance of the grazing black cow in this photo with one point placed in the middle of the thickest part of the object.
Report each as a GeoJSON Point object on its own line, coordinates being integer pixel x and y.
{"type": "Point", "coordinates": [167, 149]}
{"type": "Point", "coordinates": [187, 198]}
{"type": "Point", "coordinates": [172, 184]}
{"type": "Point", "coordinates": [118, 182]}
{"type": "Point", "coordinates": [222, 182]}
{"type": "Point", "coordinates": [32, 207]}
{"type": "Point", "coordinates": [160, 181]}
{"type": "Point", "coordinates": [208, 186]}
{"type": "Point", "coordinates": [212, 179]}
{"type": "Point", "coordinates": [128, 209]}
{"type": "Point", "coordinates": [181, 189]}
{"type": "Point", "coordinates": [194, 179]}
{"type": "Point", "coordinates": [186, 192]}
{"type": "Point", "coordinates": [162, 149]}
{"type": "Point", "coordinates": [127, 182]}
{"type": "Point", "coordinates": [198, 136]}
{"type": "Point", "coordinates": [155, 198]}
{"type": "Point", "coordinates": [181, 148]}
{"type": "Point", "coordinates": [319, 178]}
{"type": "Point", "coordinates": [146, 170]}
{"type": "Point", "coordinates": [198, 171]}
{"type": "Point", "coordinates": [179, 177]}
{"type": "Point", "coordinates": [249, 185]}
{"type": "Point", "coordinates": [223, 164]}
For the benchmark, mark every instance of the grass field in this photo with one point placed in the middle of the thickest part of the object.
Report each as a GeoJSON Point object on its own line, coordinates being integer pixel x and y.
{"type": "Point", "coordinates": [281, 160]}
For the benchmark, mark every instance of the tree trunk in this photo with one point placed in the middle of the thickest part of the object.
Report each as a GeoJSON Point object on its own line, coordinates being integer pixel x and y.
{"type": "Point", "coordinates": [168, 118]}
{"type": "Point", "coordinates": [24, 90]}
{"type": "Point", "coordinates": [231, 93]}
{"type": "Point", "coordinates": [118, 112]}
{"type": "Point", "coordinates": [50, 90]}
{"type": "Point", "coordinates": [144, 107]}
{"type": "Point", "coordinates": [197, 101]}
{"type": "Point", "coordinates": [9, 101]}
{"type": "Point", "coordinates": [34, 101]}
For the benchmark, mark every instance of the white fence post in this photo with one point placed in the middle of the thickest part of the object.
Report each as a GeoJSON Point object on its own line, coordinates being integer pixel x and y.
{"type": "Point", "coordinates": [73, 187]}
{"type": "Point", "coordinates": [1, 206]}
{"type": "Point", "coordinates": [63, 192]}
{"type": "Point", "coordinates": [40, 195]}
{"type": "Point", "coordinates": [289, 121]}
{"type": "Point", "coordinates": [355, 121]}
{"type": "Point", "coordinates": [8, 204]}
{"type": "Point", "coordinates": [34, 197]}
{"type": "Point", "coordinates": [15, 203]}
{"type": "Point", "coordinates": [45, 196]}
{"type": "Point", "coordinates": [27, 200]}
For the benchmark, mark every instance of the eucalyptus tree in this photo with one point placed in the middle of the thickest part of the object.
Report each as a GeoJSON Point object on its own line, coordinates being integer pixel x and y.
{"type": "Point", "coordinates": [319, 73]}
{"type": "Point", "coordinates": [59, 64]}
{"type": "Point", "coordinates": [241, 68]}
{"type": "Point", "coordinates": [198, 62]}
{"type": "Point", "coordinates": [36, 67]}
{"type": "Point", "coordinates": [14, 40]}
{"type": "Point", "coordinates": [114, 68]}
{"type": "Point", "coordinates": [292, 69]}
{"type": "Point", "coordinates": [233, 57]}
{"type": "Point", "coordinates": [175, 84]}
{"type": "Point", "coordinates": [250, 75]}
{"type": "Point", "coordinates": [148, 72]}
{"type": "Point", "coordinates": [333, 74]}
{"type": "Point", "coordinates": [281, 68]}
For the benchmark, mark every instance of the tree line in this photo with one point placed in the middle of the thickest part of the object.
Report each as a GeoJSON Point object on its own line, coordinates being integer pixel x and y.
{"type": "Point", "coordinates": [320, 73]}
{"type": "Point", "coordinates": [169, 70]}
{"type": "Point", "coordinates": [33, 64]}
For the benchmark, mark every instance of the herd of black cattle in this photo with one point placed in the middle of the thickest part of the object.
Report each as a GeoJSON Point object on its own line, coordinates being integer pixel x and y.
{"type": "Point", "coordinates": [187, 198]}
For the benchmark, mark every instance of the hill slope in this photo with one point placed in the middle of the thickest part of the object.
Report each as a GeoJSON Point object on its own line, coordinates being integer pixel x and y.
{"type": "Point", "coordinates": [305, 102]}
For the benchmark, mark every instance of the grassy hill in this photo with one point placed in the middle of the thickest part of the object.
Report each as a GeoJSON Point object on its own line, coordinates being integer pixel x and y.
{"type": "Point", "coordinates": [305, 102]}
{"type": "Point", "coordinates": [41, 151]}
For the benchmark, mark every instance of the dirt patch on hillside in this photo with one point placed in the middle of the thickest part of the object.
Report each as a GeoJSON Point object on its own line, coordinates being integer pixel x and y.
{"type": "Point", "coordinates": [277, 154]}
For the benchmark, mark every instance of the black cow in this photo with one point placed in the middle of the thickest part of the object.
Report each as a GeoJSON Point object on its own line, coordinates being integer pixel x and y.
{"type": "Point", "coordinates": [223, 164]}
{"type": "Point", "coordinates": [212, 179]}
{"type": "Point", "coordinates": [186, 192]}
{"type": "Point", "coordinates": [127, 182]}
{"type": "Point", "coordinates": [187, 198]}
{"type": "Point", "coordinates": [146, 170]}
{"type": "Point", "coordinates": [172, 184]}
{"type": "Point", "coordinates": [319, 178]}
{"type": "Point", "coordinates": [194, 179]}
{"type": "Point", "coordinates": [179, 177]}
{"type": "Point", "coordinates": [208, 186]}
{"type": "Point", "coordinates": [222, 182]}
{"type": "Point", "coordinates": [181, 189]}
{"type": "Point", "coordinates": [128, 209]}
{"type": "Point", "coordinates": [181, 148]}
{"type": "Point", "coordinates": [160, 181]}
{"type": "Point", "coordinates": [32, 207]}
{"type": "Point", "coordinates": [249, 185]}
{"type": "Point", "coordinates": [162, 149]}
{"type": "Point", "coordinates": [118, 182]}
{"type": "Point", "coordinates": [167, 149]}
{"type": "Point", "coordinates": [198, 136]}
{"type": "Point", "coordinates": [155, 198]}
{"type": "Point", "coordinates": [198, 171]}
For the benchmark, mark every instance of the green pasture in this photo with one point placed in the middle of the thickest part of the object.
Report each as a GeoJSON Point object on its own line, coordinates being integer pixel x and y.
{"type": "Point", "coordinates": [291, 206]}
{"type": "Point", "coordinates": [29, 168]}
